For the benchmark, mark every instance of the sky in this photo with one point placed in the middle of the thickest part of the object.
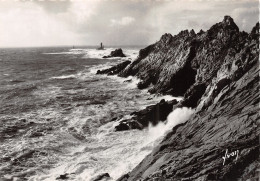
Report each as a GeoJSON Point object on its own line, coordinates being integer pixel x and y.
{"type": "Point", "coordinates": [113, 22]}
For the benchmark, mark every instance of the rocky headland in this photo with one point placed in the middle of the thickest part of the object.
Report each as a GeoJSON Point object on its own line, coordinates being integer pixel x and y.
{"type": "Point", "coordinates": [217, 73]}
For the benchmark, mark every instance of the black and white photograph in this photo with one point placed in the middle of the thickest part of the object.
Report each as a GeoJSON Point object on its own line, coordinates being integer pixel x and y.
{"type": "Point", "coordinates": [129, 90]}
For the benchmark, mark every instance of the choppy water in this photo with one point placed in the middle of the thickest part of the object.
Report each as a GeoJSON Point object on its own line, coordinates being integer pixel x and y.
{"type": "Point", "coordinates": [55, 115]}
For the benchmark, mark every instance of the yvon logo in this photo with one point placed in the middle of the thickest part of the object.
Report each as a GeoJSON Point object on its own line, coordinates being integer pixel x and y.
{"type": "Point", "coordinates": [229, 155]}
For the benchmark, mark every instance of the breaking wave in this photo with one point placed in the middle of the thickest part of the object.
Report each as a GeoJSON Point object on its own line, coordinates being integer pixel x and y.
{"type": "Point", "coordinates": [177, 116]}
{"type": "Point", "coordinates": [131, 54]}
{"type": "Point", "coordinates": [60, 121]}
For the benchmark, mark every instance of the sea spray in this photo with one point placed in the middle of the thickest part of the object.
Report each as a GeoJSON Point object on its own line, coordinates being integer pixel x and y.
{"type": "Point", "coordinates": [177, 116]}
{"type": "Point", "coordinates": [73, 114]}
{"type": "Point", "coordinates": [116, 152]}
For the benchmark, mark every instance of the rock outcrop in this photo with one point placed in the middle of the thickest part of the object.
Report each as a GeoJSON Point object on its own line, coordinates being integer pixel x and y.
{"type": "Point", "coordinates": [116, 53]}
{"type": "Point", "coordinates": [115, 69]}
{"type": "Point", "coordinates": [150, 115]}
{"type": "Point", "coordinates": [102, 177]}
{"type": "Point", "coordinates": [175, 64]}
{"type": "Point", "coordinates": [194, 150]}
{"type": "Point", "coordinates": [217, 72]}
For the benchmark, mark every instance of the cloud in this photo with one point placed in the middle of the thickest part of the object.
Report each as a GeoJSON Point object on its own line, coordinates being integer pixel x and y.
{"type": "Point", "coordinates": [88, 22]}
{"type": "Point", "coordinates": [123, 21]}
{"type": "Point", "coordinates": [245, 17]}
{"type": "Point", "coordinates": [26, 24]}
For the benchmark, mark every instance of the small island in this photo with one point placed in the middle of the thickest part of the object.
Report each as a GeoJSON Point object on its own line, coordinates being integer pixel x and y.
{"type": "Point", "coordinates": [116, 53]}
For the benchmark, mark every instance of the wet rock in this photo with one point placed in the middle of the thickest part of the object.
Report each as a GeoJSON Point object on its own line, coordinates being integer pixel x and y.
{"type": "Point", "coordinates": [63, 177]}
{"type": "Point", "coordinates": [114, 70]}
{"type": "Point", "coordinates": [116, 53]}
{"type": "Point", "coordinates": [104, 176]}
{"type": "Point", "coordinates": [123, 177]}
{"type": "Point", "coordinates": [144, 84]}
{"type": "Point", "coordinates": [122, 127]}
{"type": "Point", "coordinates": [151, 114]}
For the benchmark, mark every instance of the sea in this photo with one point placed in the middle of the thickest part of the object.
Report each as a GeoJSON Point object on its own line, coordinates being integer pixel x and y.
{"type": "Point", "coordinates": [57, 116]}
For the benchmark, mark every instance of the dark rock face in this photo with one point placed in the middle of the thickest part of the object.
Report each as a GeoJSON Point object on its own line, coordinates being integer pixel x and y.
{"type": "Point", "coordinates": [104, 176]}
{"type": "Point", "coordinates": [156, 64]}
{"type": "Point", "coordinates": [193, 95]}
{"type": "Point", "coordinates": [63, 177]}
{"type": "Point", "coordinates": [226, 97]}
{"type": "Point", "coordinates": [194, 151]}
{"type": "Point", "coordinates": [114, 70]}
{"type": "Point", "coordinates": [152, 114]}
{"type": "Point", "coordinates": [175, 63]}
{"type": "Point", "coordinates": [116, 53]}
{"type": "Point", "coordinates": [124, 177]}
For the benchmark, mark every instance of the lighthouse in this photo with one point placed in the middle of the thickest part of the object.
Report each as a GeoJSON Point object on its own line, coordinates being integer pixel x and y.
{"type": "Point", "coordinates": [101, 46]}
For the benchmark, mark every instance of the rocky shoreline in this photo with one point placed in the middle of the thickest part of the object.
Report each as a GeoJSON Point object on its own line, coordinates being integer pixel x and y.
{"type": "Point", "coordinates": [217, 72]}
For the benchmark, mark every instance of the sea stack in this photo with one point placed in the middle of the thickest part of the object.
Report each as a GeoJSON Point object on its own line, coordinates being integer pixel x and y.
{"type": "Point", "coordinates": [116, 53]}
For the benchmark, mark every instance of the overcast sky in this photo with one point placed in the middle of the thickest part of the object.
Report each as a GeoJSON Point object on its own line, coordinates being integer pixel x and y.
{"type": "Point", "coordinates": [114, 22]}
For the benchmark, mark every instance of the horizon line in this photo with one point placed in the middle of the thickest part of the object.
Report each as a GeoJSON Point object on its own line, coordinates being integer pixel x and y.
{"type": "Point", "coordinates": [75, 46]}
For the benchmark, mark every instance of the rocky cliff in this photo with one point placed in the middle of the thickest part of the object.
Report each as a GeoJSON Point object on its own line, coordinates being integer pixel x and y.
{"type": "Point", "coordinates": [217, 72]}
{"type": "Point", "coordinates": [194, 150]}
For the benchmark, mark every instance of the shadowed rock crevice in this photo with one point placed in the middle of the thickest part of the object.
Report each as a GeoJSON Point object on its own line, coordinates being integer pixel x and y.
{"type": "Point", "coordinates": [182, 81]}
{"type": "Point", "coordinates": [193, 95]}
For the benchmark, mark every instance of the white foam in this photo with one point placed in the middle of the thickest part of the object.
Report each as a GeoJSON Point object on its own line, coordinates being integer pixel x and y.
{"type": "Point", "coordinates": [70, 52]}
{"type": "Point", "coordinates": [94, 69]}
{"type": "Point", "coordinates": [98, 54]}
{"type": "Point", "coordinates": [64, 77]}
{"type": "Point", "coordinates": [105, 150]}
{"type": "Point", "coordinates": [115, 152]}
{"type": "Point", "coordinates": [131, 54]}
{"type": "Point", "coordinates": [177, 116]}
{"type": "Point", "coordinates": [130, 81]}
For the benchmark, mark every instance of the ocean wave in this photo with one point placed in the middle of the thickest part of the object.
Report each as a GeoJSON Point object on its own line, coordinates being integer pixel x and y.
{"type": "Point", "coordinates": [82, 137]}
{"type": "Point", "coordinates": [177, 116]}
{"type": "Point", "coordinates": [131, 54]}
{"type": "Point", "coordinates": [64, 77]}
{"type": "Point", "coordinates": [70, 52]}
{"type": "Point", "coordinates": [98, 54]}
{"type": "Point", "coordinates": [114, 152]}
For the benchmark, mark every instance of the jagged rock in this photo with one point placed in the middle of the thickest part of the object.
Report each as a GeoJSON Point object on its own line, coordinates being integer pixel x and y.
{"type": "Point", "coordinates": [226, 96]}
{"type": "Point", "coordinates": [123, 177]}
{"type": "Point", "coordinates": [122, 126]}
{"type": "Point", "coordinates": [114, 70]}
{"type": "Point", "coordinates": [151, 114]}
{"type": "Point", "coordinates": [197, 154]}
{"type": "Point", "coordinates": [116, 53]}
{"type": "Point", "coordinates": [164, 65]}
{"type": "Point", "coordinates": [104, 176]}
{"type": "Point", "coordinates": [63, 177]}
{"type": "Point", "coordinates": [201, 32]}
